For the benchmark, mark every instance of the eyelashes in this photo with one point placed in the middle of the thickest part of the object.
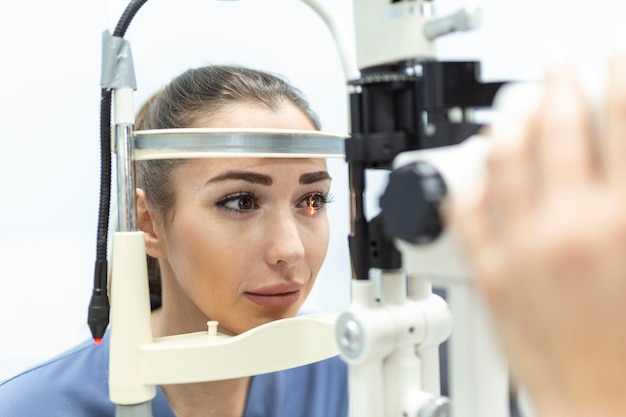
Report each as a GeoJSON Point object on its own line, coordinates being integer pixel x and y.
{"type": "Point", "coordinates": [241, 202]}
{"type": "Point", "coordinates": [244, 202]}
{"type": "Point", "coordinates": [317, 200]}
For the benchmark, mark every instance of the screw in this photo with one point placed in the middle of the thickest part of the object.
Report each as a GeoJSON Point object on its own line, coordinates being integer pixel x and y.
{"type": "Point", "coordinates": [350, 336]}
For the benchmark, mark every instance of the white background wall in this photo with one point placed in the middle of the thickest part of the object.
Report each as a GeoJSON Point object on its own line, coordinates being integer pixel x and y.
{"type": "Point", "coordinates": [49, 122]}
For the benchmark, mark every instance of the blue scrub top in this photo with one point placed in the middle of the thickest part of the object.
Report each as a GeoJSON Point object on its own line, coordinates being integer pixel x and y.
{"type": "Point", "coordinates": [76, 384]}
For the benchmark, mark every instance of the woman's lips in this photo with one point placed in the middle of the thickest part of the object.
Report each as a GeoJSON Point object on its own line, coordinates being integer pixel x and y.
{"type": "Point", "coordinates": [276, 296]}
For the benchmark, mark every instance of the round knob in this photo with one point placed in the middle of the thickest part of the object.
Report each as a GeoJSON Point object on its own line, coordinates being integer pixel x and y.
{"type": "Point", "coordinates": [350, 335]}
{"type": "Point", "coordinates": [411, 201]}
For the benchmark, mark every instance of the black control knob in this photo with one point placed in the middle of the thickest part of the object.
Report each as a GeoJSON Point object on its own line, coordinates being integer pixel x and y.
{"type": "Point", "coordinates": [410, 204]}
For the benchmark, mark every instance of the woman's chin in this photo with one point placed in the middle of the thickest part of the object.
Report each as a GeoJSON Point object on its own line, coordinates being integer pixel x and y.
{"type": "Point", "coordinates": [253, 322]}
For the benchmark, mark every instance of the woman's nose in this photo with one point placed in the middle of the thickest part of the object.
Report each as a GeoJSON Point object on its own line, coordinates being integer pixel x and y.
{"type": "Point", "coordinates": [284, 240]}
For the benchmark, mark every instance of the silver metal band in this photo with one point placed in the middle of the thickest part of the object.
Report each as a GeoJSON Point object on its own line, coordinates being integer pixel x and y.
{"type": "Point", "coordinates": [216, 143]}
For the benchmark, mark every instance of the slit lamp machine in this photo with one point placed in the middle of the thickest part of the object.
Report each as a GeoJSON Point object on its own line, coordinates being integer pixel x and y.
{"type": "Point", "coordinates": [410, 114]}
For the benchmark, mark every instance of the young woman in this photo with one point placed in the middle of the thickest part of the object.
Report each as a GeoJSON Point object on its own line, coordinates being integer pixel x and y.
{"type": "Point", "coordinates": [237, 240]}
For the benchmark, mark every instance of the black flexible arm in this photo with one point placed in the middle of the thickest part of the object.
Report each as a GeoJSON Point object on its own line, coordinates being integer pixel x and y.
{"type": "Point", "coordinates": [98, 318]}
{"type": "Point", "coordinates": [128, 15]}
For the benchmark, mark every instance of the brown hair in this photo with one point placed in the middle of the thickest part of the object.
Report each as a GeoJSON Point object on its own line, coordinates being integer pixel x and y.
{"type": "Point", "coordinates": [192, 98]}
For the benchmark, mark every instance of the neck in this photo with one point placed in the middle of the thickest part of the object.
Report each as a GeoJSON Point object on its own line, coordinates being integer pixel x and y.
{"type": "Point", "coordinates": [225, 398]}
{"type": "Point", "coordinates": [207, 399]}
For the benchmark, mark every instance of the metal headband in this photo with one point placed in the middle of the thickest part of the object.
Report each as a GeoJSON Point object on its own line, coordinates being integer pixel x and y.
{"type": "Point", "coordinates": [216, 143]}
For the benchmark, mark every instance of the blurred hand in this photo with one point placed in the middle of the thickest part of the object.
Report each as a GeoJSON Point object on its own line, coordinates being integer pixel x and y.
{"type": "Point", "coordinates": [545, 236]}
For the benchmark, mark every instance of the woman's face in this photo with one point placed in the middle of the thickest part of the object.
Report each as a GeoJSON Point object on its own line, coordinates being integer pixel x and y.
{"type": "Point", "coordinates": [246, 236]}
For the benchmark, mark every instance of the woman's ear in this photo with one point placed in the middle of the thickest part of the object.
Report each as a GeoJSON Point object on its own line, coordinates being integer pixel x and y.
{"type": "Point", "coordinates": [148, 223]}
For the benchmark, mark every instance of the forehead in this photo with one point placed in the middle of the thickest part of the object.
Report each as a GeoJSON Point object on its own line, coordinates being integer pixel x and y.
{"type": "Point", "coordinates": [281, 169]}
{"type": "Point", "coordinates": [255, 115]}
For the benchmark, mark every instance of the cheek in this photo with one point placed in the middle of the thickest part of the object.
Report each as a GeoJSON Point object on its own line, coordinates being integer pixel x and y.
{"type": "Point", "coordinates": [316, 245]}
{"type": "Point", "coordinates": [201, 259]}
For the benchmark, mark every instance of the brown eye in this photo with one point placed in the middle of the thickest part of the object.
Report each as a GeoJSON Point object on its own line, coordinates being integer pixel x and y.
{"type": "Point", "coordinates": [245, 203]}
{"type": "Point", "coordinates": [239, 203]}
{"type": "Point", "coordinates": [314, 203]}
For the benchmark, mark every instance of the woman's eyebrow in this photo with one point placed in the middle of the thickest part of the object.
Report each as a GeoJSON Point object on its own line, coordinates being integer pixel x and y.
{"type": "Point", "coordinates": [251, 177]}
{"type": "Point", "coordinates": [313, 177]}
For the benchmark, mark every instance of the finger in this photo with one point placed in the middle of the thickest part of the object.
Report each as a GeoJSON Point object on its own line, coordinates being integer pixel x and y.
{"type": "Point", "coordinates": [468, 218]}
{"type": "Point", "coordinates": [613, 150]}
{"type": "Point", "coordinates": [563, 142]}
{"type": "Point", "coordinates": [511, 181]}
{"type": "Point", "coordinates": [510, 164]}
